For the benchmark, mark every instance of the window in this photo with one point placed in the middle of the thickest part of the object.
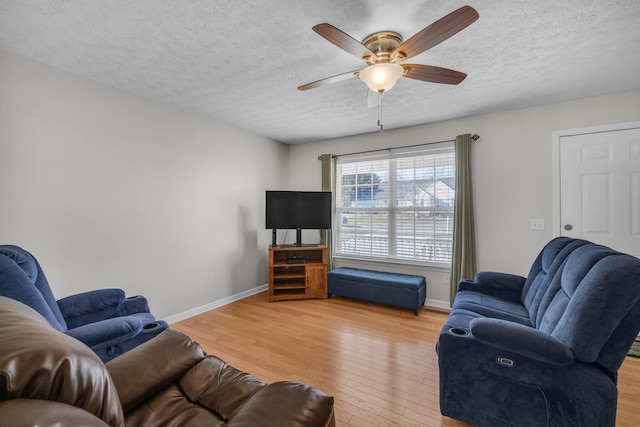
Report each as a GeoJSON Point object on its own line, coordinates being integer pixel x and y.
{"type": "Point", "coordinates": [398, 207]}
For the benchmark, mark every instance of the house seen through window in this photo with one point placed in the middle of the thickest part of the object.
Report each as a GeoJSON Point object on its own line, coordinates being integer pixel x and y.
{"type": "Point", "coordinates": [398, 207]}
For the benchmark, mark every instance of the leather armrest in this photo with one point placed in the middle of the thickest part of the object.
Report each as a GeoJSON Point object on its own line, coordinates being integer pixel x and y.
{"type": "Point", "coordinates": [520, 339]}
{"type": "Point", "coordinates": [46, 413]}
{"type": "Point", "coordinates": [244, 400]}
{"type": "Point", "coordinates": [286, 404]}
{"type": "Point", "coordinates": [37, 362]}
{"type": "Point", "coordinates": [145, 370]}
{"type": "Point", "coordinates": [219, 387]}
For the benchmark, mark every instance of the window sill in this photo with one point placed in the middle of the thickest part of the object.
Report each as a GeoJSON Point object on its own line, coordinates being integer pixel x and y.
{"type": "Point", "coordinates": [432, 266]}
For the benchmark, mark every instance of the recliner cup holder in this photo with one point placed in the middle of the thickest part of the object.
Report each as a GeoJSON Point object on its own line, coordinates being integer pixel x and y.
{"type": "Point", "coordinates": [459, 331]}
{"type": "Point", "coordinates": [151, 325]}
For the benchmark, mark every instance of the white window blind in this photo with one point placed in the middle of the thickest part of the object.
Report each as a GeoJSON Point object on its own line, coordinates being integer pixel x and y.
{"type": "Point", "coordinates": [398, 207]}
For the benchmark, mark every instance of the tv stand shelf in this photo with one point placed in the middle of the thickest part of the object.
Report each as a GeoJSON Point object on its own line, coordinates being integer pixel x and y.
{"type": "Point", "coordinates": [297, 272]}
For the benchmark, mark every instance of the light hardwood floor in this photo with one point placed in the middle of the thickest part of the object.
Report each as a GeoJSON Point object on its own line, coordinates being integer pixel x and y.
{"type": "Point", "coordinates": [378, 361]}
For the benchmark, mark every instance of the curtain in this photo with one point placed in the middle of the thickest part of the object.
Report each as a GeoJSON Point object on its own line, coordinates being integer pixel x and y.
{"type": "Point", "coordinates": [463, 262]}
{"type": "Point", "coordinates": [328, 184]}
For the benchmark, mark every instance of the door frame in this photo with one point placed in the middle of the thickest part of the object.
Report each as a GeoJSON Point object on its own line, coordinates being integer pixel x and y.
{"type": "Point", "coordinates": [557, 136]}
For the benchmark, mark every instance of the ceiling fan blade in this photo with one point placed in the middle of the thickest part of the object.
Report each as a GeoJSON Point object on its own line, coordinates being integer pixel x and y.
{"type": "Point", "coordinates": [436, 33]}
{"type": "Point", "coordinates": [344, 41]}
{"type": "Point", "coordinates": [329, 80]}
{"type": "Point", "coordinates": [429, 73]}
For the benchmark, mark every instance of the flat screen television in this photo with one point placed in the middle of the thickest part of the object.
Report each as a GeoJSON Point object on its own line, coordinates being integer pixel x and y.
{"type": "Point", "coordinates": [297, 210]}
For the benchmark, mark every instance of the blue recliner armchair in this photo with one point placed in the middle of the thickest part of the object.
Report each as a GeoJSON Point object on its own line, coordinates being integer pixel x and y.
{"type": "Point", "coordinates": [105, 320]}
{"type": "Point", "coordinates": [542, 350]}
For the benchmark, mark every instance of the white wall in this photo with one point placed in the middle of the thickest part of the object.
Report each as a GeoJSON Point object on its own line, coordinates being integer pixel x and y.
{"type": "Point", "coordinates": [108, 189]}
{"type": "Point", "coordinates": [512, 170]}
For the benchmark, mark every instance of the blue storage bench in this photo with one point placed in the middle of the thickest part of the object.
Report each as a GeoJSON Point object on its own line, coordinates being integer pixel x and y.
{"type": "Point", "coordinates": [402, 290]}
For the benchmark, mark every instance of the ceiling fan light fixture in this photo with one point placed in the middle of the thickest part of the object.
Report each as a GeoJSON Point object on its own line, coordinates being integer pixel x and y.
{"type": "Point", "coordinates": [381, 77]}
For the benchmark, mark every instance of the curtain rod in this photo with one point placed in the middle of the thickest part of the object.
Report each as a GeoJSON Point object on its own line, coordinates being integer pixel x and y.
{"type": "Point", "coordinates": [474, 137]}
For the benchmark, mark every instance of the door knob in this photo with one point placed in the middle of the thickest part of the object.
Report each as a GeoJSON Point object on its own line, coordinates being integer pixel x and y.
{"type": "Point", "coordinates": [568, 227]}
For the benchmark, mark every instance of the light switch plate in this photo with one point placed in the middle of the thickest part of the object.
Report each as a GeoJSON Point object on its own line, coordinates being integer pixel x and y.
{"type": "Point", "coordinates": [536, 224]}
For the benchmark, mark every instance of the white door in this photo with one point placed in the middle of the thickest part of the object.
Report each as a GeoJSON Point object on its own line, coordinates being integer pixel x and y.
{"type": "Point", "coordinates": [599, 185]}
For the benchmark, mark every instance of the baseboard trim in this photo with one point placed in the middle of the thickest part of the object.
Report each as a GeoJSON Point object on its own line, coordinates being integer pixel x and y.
{"type": "Point", "coordinates": [215, 304]}
{"type": "Point", "coordinates": [437, 304]}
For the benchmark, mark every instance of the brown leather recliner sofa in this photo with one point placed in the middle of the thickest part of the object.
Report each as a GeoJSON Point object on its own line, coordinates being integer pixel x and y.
{"type": "Point", "coordinates": [48, 378]}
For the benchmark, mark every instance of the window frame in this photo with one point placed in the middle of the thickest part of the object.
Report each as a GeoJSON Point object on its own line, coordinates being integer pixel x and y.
{"type": "Point", "coordinates": [393, 213]}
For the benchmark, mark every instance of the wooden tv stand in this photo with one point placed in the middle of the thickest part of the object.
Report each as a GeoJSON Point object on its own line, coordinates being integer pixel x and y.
{"type": "Point", "coordinates": [297, 272]}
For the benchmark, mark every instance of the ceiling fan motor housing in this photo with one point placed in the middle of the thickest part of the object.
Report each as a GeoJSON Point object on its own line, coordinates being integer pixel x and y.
{"type": "Point", "coordinates": [382, 44]}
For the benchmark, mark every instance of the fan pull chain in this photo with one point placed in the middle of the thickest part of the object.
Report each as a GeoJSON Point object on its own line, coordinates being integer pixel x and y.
{"type": "Point", "coordinates": [380, 110]}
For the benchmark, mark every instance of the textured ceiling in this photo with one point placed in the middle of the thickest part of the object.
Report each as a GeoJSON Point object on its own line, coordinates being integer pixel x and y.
{"type": "Point", "coordinates": [241, 62]}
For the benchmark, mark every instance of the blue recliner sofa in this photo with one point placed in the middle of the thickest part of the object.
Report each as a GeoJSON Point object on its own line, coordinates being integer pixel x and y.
{"type": "Point", "coordinates": [542, 350]}
{"type": "Point", "coordinates": [105, 320]}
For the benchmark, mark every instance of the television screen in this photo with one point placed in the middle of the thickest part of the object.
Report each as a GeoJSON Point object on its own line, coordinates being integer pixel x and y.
{"type": "Point", "coordinates": [298, 209]}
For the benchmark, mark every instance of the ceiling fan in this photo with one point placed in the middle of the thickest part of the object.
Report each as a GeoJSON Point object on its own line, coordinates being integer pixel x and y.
{"type": "Point", "coordinates": [382, 51]}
